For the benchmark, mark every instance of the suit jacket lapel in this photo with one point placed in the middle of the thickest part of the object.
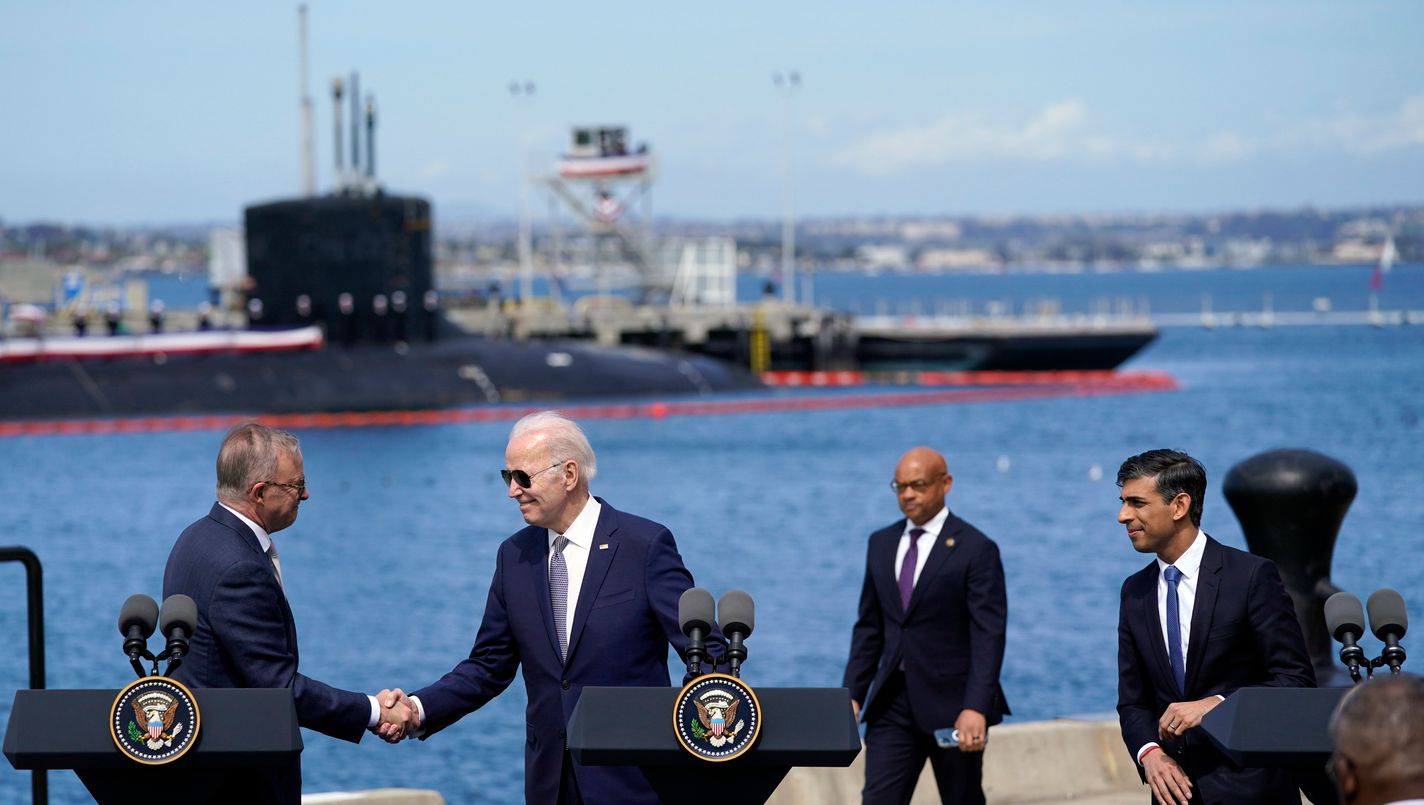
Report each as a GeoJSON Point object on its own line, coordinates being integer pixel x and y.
{"type": "Point", "coordinates": [540, 572]}
{"type": "Point", "coordinates": [1161, 664]}
{"type": "Point", "coordinates": [599, 560]}
{"type": "Point", "coordinates": [1203, 607]}
{"type": "Point", "coordinates": [883, 566]}
{"type": "Point", "coordinates": [241, 529]}
{"type": "Point", "coordinates": [939, 554]}
{"type": "Point", "coordinates": [245, 534]}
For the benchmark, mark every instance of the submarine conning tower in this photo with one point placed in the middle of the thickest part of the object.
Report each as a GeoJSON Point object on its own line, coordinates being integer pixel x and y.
{"type": "Point", "coordinates": [360, 265]}
{"type": "Point", "coordinates": [357, 261]}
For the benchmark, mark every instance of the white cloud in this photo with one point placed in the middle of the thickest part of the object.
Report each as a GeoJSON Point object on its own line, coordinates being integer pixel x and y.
{"type": "Point", "coordinates": [1225, 147]}
{"type": "Point", "coordinates": [1062, 131]}
{"type": "Point", "coordinates": [1052, 134]}
{"type": "Point", "coordinates": [434, 169]}
{"type": "Point", "coordinates": [1367, 135]}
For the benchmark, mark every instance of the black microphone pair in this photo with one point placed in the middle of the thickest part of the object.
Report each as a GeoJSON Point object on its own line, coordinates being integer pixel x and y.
{"type": "Point", "coordinates": [138, 618]}
{"type": "Point", "coordinates": [1345, 619]}
{"type": "Point", "coordinates": [694, 615]}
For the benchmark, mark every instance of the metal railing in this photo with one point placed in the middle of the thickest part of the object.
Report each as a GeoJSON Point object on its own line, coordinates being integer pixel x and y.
{"type": "Point", "coordinates": [34, 590]}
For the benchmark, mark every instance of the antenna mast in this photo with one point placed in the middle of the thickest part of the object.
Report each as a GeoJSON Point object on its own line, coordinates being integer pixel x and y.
{"type": "Point", "coordinates": [308, 169]}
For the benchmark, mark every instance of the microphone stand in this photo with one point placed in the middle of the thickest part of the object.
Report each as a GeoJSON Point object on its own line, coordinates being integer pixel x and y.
{"type": "Point", "coordinates": [1353, 657]}
{"type": "Point", "coordinates": [138, 666]}
{"type": "Point", "coordinates": [1393, 656]}
{"type": "Point", "coordinates": [736, 653]}
{"type": "Point", "coordinates": [137, 650]}
{"type": "Point", "coordinates": [696, 652]}
{"type": "Point", "coordinates": [177, 648]}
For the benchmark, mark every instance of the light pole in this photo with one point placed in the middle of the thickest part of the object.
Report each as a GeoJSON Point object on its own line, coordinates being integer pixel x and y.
{"type": "Point", "coordinates": [523, 94]}
{"type": "Point", "coordinates": [787, 85]}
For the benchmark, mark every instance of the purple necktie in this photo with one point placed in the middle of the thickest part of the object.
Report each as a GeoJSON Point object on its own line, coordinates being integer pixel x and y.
{"type": "Point", "coordinates": [907, 568]}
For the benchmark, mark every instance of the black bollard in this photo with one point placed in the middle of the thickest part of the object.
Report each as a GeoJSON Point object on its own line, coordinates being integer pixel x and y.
{"type": "Point", "coordinates": [1290, 504]}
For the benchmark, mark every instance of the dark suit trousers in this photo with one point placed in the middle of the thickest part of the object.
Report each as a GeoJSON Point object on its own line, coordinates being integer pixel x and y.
{"type": "Point", "coordinates": [569, 793]}
{"type": "Point", "coordinates": [896, 750]}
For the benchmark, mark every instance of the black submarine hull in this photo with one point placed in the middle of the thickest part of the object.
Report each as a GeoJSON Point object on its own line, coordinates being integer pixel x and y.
{"type": "Point", "coordinates": [456, 371]}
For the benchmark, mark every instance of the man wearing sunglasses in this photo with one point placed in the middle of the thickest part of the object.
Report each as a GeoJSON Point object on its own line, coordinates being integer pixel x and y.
{"type": "Point", "coordinates": [927, 648]}
{"type": "Point", "coordinates": [585, 595]}
{"type": "Point", "coordinates": [246, 637]}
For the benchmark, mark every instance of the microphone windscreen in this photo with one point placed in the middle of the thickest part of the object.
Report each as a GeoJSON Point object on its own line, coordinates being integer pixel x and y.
{"type": "Point", "coordinates": [179, 612]}
{"type": "Point", "coordinates": [1387, 613]}
{"type": "Point", "coordinates": [736, 612]}
{"type": "Point", "coordinates": [1344, 613]}
{"type": "Point", "coordinates": [141, 611]}
{"type": "Point", "coordinates": [694, 610]}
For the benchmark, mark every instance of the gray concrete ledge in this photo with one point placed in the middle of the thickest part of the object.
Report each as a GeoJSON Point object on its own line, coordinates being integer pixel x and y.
{"type": "Point", "coordinates": [376, 796]}
{"type": "Point", "coordinates": [1038, 762]}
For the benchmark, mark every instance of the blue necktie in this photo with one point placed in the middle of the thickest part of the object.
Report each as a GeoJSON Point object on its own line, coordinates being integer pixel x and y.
{"type": "Point", "coordinates": [559, 593]}
{"type": "Point", "coordinates": [1174, 629]}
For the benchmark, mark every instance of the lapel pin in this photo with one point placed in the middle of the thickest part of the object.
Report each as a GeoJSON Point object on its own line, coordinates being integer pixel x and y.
{"type": "Point", "coordinates": [603, 546]}
{"type": "Point", "coordinates": [949, 542]}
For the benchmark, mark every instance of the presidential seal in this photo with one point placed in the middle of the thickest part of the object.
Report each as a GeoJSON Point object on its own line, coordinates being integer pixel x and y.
{"type": "Point", "coordinates": [154, 720]}
{"type": "Point", "coordinates": [716, 717]}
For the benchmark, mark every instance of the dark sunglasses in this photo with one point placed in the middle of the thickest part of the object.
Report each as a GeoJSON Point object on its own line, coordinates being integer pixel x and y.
{"type": "Point", "coordinates": [523, 478]}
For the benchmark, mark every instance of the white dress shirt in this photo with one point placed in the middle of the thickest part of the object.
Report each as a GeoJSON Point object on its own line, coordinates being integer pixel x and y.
{"type": "Point", "coordinates": [265, 540]}
{"type": "Point", "coordinates": [926, 541]}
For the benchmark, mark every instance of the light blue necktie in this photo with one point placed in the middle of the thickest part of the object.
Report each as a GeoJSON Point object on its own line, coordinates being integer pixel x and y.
{"type": "Point", "coordinates": [1174, 629]}
{"type": "Point", "coordinates": [559, 594]}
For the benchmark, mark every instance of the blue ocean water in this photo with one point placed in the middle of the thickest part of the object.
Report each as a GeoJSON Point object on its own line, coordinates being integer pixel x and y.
{"type": "Point", "coordinates": [389, 564]}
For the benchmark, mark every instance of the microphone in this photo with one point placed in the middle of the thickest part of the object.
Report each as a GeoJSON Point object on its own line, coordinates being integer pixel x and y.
{"type": "Point", "coordinates": [694, 616]}
{"type": "Point", "coordinates": [736, 614]}
{"type": "Point", "coordinates": [137, 618]}
{"type": "Point", "coordinates": [180, 620]}
{"type": "Point", "coordinates": [1345, 618]}
{"type": "Point", "coordinates": [1389, 621]}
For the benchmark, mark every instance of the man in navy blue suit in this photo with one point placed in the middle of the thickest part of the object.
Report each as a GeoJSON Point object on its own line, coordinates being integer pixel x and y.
{"type": "Point", "coordinates": [927, 648]}
{"type": "Point", "coordinates": [246, 636]}
{"type": "Point", "coordinates": [1199, 622]}
{"type": "Point", "coordinates": [585, 595]}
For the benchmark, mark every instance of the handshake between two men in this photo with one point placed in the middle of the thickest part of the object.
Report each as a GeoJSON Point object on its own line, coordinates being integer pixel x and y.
{"type": "Point", "coordinates": [399, 718]}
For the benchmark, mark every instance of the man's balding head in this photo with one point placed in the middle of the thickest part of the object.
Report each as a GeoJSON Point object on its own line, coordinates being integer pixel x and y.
{"type": "Point", "coordinates": [1378, 735]}
{"type": "Point", "coordinates": [922, 480]}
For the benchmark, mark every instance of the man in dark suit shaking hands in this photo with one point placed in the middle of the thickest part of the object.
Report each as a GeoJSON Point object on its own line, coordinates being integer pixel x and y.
{"type": "Point", "coordinates": [927, 647]}
{"type": "Point", "coordinates": [584, 595]}
{"type": "Point", "coordinates": [1199, 622]}
{"type": "Point", "coordinates": [246, 637]}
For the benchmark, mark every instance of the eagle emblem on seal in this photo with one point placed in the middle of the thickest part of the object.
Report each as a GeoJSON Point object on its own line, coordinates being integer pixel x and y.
{"type": "Point", "coordinates": [716, 717]}
{"type": "Point", "coordinates": [717, 713]}
{"type": "Point", "coordinates": [156, 711]}
{"type": "Point", "coordinates": [154, 720]}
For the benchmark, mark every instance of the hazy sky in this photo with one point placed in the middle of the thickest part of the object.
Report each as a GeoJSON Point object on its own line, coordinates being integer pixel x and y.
{"type": "Point", "coordinates": [147, 112]}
